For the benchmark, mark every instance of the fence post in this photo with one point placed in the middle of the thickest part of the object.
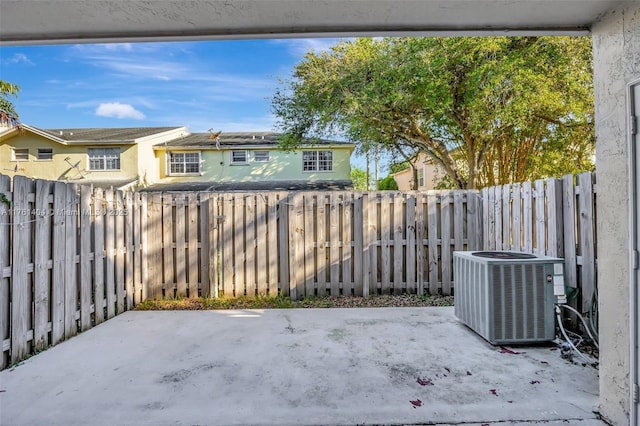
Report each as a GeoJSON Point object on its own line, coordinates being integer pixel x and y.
{"type": "Point", "coordinates": [5, 245]}
{"type": "Point", "coordinates": [587, 238]}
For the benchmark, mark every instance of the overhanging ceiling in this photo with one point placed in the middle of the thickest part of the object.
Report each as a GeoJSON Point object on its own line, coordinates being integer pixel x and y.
{"type": "Point", "coordinates": [84, 21]}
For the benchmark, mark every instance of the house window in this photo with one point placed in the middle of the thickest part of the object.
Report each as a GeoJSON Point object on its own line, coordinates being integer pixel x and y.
{"type": "Point", "coordinates": [104, 158]}
{"type": "Point", "coordinates": [420, 177]}
{"type": "Point", "coordinates": [239, 157]}
{"type": "Point", "coordinates": [182, 163]}
{"type": "Point", "coordinates": [261, 156]}
{"type": "Point", "coordinates": [21, 154]}
{"type": "Point", "coordinates": [45, 154]}
{"type": "Point", "coordinates": [317, 161]}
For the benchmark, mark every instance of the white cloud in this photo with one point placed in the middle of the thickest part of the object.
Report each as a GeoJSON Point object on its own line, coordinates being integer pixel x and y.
{"type": "Point", "coordinates": [118, 110]}
{"type": "Point", "coordinates": [19, 58]}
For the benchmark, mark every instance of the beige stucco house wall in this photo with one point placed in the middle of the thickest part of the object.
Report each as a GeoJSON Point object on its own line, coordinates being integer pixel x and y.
{"type": "Point", "coordinates": [429, 174]}
{"type": "Point", "coordinates": [616, 48]}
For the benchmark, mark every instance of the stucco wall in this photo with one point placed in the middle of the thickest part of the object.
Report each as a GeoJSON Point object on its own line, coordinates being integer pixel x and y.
{"type": "Point", "coordinates": [282, 165]}
{"type": "Point", "coordinates": [616, 43]}
{"type": "Point", "coordinates": [58, 168]}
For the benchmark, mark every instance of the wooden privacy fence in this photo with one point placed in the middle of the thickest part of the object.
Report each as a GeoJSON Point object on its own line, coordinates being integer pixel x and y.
{"type": "Point", "coordinates": [74, 256]}
{"type": "Point", "coordinates": [303, 244]}
{"type": "Point", "coordinates": [553, 217]}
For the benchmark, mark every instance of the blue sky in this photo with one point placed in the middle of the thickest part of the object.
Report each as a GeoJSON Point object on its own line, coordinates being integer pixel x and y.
{"type": "Point", "coordinates": [224, 85]}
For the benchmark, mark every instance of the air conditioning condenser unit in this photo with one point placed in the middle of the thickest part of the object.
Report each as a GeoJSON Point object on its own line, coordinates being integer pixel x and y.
{"type": "Point", "coordinates": [508, 297]}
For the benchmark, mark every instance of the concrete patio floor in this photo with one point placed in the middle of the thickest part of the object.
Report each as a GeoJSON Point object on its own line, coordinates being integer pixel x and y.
{"type": "Point", "coordinates": [294, 367]}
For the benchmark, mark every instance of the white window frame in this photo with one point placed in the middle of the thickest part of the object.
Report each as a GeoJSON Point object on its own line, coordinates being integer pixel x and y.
{"type": "Point", "coordinates": [49, 152]}
{"type": "Point", "coordinates": [266, 156]}
{"type": "Point", "coordinates": [234, 162]}
{"type": "Point", "coordinates": [184, 163]}
{"type": "Point", "coordinates": [107, 157]}
{"type": "Point", "coordinates": [420, 177]}
{"type": "Point", "coordinates": [16, 153]}
{"type": "Point", "coordinates": [317, 164]}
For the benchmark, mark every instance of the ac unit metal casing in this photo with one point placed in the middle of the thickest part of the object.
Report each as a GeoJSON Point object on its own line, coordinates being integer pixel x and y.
{"type": "Point", "coordinates": [505, 298]}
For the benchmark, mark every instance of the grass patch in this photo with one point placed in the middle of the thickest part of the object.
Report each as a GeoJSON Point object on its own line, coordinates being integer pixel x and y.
{"type": "Point", "coordinates": [282, 302]}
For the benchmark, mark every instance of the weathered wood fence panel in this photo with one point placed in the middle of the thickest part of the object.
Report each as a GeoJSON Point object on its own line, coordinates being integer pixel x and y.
{"type": "Point", "coordinates": [553, 217]}
{"type": "Point", "coordinates": [58, 243]}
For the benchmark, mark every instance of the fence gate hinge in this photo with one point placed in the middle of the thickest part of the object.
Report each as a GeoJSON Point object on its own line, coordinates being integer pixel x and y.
{"type": "Point", "coordinates": [635, 393]}
{"type": "Point", "coordinates": [635, 259]}
{"type": "Point", "coordinates": [634, 124]}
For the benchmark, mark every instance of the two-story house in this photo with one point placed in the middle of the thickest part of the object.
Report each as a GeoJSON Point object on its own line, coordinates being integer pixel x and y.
{"type": "Point", "coordinates": [252, 161]}
{"type": "Point", "coordinates": [172, 158]}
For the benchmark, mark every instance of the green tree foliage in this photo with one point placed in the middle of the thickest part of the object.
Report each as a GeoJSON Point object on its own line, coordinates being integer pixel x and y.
{"type": "Point", "coordinates": [388, 183]}
{"type": "Point", "coordinates": [8, 113]}
{"type": "Point", "coordinates": [359, 179]}
{"type": "Point", "coordinates": [398, 166]}
{"type": "Point", "coordinates": [488, 110]}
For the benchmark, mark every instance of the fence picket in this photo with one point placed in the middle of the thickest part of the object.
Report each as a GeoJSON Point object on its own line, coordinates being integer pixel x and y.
{"type": "Point", "coordinates": [420, 243]}
{"type": "Point", "coordinates": [334, 242]}
{"type": "Point", "coordinates": [41, 277]}
{"type": "Point", "coordinates": [120, 250]}
{"type": "Point", "coordinates": [358, 245]}
{"type": "Point", "coordinates": [587, 238]}
{"type": "Point", "coordinates": [99, 254]}
{"type": "Point", "coordinates": [86, 281]}
{"type": "Point", "coordinates": [555, 234]}
{"type": "Point", "coordinates": [445, 247]}
{"type": "Point", "coordinates": [210, 266]}
{"type": "Point", "coordinates": [262, 235]}
{"type": "Point", "coordinates": [180, 251]}
{"type": "Point", "coordinates": [432, 205]}
{"type": "Point", "coordinates": [128, 254]}
{"type": "Point", "coordinates": [239, 245]}
{"type": "Point", "coordinates": [459, 220]}
{"type": "Point", "coordinates": [109, 223]}
{"type": "Point", "coordinates": [167, 247]}
{"type": "Point", "coordinates": [541, 218]}
{"type": "Point", "coordinates": [58, 254]}
{"type": "Point", "coordinates": [527, 223]}
{"type": "Point", "coordinates": [516, 226]}
{"type": "Point", "coordinates": [191, 232]}
{"type": "Point", "coordinates": [370, 287]}
{"type": "Point", "coordinates": [21, 248]}
{"type": "Point", "coordinates": [227, 246]}
{"type": "Point", "coordinates": [5, 245]}
{"type": "Point", "coordinates": [398, 243]}
{"type": "Point", "coordinates": [70, 281]}
{"type": "Point", "coordinates": [321, 238]}
{"type": "Point", "coordinates": [498, 216]}
{"type": "Point", "coordinates": [506, 217]}
{"type": "Point", "coordinates": [308, 235]}
{"type": "Point", "coordinates": [410, 246]}
{"type": "Point", "coordinates": [250, 245]}
{"type": "Point", "coordinates": [385, 244]}
{"type": "Point", "coordinates": [347, 244]}
{"type": "Point", "coordinates": [272, 242]}
{"type": "Point", "coordinates": [135, 213]}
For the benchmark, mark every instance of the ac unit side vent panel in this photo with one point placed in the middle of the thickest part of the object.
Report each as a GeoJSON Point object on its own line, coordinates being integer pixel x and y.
{"type": "Point", "coordinates": [506, 301]}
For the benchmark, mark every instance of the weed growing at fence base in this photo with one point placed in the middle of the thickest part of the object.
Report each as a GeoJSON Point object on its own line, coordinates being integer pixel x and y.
{"type": "Point", "coordinates": [281, 302]}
